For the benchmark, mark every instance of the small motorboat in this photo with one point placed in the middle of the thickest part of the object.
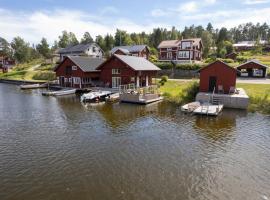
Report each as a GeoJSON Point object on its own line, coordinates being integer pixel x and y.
{"type": "Point", "coordinates": [190, 107]}
{"type": "Point", "coordinates": [95, 96]}
{"type": "Point", "coordinates": [33, 86]}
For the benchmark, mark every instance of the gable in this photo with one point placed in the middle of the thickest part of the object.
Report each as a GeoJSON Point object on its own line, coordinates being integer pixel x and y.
{"type": "Point", "coordinates": [218, 65]}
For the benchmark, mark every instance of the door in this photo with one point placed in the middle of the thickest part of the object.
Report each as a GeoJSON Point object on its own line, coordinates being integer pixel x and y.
{"type": "Point", "coordinates": [116, 82]}
{"type": "Point", "coordinates": [212, 83]}
{"type": "Point", "coordinates": [62, 81]}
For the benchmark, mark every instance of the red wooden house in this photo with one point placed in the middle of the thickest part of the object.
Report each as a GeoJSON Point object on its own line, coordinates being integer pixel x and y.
{"type": "Point", "coordinates": [217, 76]}
{"type": "Point", "coordinates": [253, 68]}
{"type": "Point", "coordinates": [121, 70]}
{"type": "Point", "coordinates": [181, 51]}
{"type": "Point", "coordinates": [78, 71]}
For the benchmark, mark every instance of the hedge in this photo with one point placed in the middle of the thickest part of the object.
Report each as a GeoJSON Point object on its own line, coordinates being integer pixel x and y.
{"type": "Point", "coordinates": [168, 65]}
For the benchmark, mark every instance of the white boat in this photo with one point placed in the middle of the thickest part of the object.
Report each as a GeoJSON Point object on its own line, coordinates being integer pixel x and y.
{"type": "Point", "coordinates": [33, 86]}
{"type": "Point", "coordinates": [94, 96]}
{"type": "Point", "coordinates": [59, 92]}
{"type": "Point", "coordinates": [190, 107]}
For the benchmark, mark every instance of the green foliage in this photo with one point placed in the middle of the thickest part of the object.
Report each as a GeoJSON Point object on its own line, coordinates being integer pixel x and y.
{"type": "Point", "coordinates": [261, 104]}
{"type": "Point", "coordinates": [46, 75]}
{"type": "Point", "coordinates": [163, 80]}
{"type": "Point", "coordinates": [87, 38]}
{"type": "Point", "coordinates": [153, 58]}
{"type": "Point", "coordinates": [45, 67]}
{"type": "Point", "coordinates": [189, 93]}
{"type": "Point", "coordinates": [188, 66]}
{"type": "Point", "coordinates": [164, 65]}
{"type": "Point", "coordinates": [67, 39]}
{"type": "Point", "coordinates": [241, 59]}
{"type": "Point", "coordinates": [22, 51]}
{"type": "Point", "coordinates": [43, 48]}
{"type": "Point", "coordinates": [5, 49]}
{"type": "Point", "coordinates": [210, 60]}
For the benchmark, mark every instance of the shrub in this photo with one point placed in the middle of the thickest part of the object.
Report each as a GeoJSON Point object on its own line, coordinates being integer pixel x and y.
{"type": "Point", "coordinates": [188, 66]}
{"type": "Point", "coordinates": [47, 75]}
{"type": "Point", "coordinates": [153, 59]}
{"type": "Point", "coordinates": [210, 60]}
{"type": "Point", "coordinates": [164, 65]}
{"type": "Point", "coordinates": [268, 73]}
{"type": "Point", "coordinates": [241, 59]}
{"type": "Point", "coordinates": [189, 93]}
{"type": "Point", "coordinates": [261, 104]}
{"type": "Point", "coordinates": [163, 80]}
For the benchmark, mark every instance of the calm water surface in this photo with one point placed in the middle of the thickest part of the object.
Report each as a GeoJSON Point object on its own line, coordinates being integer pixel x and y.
{"type": "Point", "coordinates": [58, 148]}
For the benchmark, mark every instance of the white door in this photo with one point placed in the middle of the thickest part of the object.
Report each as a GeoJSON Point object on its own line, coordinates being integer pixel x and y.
{"type": "Point", "coordinates": [116, 82]}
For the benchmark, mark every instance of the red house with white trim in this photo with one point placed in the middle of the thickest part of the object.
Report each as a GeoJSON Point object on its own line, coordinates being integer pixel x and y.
{"type": "Point", "coordinates": [121, 70]}
{"type": "Point", "coordinates": [78, 71]}
{"type": "Point", "coordinates": [181, 51]}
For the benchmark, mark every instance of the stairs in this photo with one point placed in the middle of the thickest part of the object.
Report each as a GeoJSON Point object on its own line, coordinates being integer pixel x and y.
{"type": "Point", "coordinates": [216, 100]}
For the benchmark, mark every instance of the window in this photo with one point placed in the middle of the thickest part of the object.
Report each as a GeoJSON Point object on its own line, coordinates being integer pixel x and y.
{"type": "Point", "coordinates": [66, 80]}
{"type": "Point", "coordinates": [116, 82]}
{"type": "Point", "coordinates": [183, 54]}
{"type": "Point", "coordinates": [169, 55]}
{"type": "Point", "coordinates": [74, 68]}
{"type": "Point", "coordinates": [132, 79]}
{"type": "Point", "coordinates": [115, 71]}
{"type": "Point", "coordinates": [68, 70]}
{"type": "Point", "coordinates": [134, 54]}
{"type": "Point", "coordinates": [94, 49]}
{"type": "Point", "coordinates": [76, 80]}
{"type": "Point", "coordinates": [186, 45]}
{"type": "Point", "coordinates": [169, 49]}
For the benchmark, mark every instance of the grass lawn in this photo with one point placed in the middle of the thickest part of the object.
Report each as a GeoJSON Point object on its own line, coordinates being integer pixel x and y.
{"type": "Point", "coordinates": [256, 90]}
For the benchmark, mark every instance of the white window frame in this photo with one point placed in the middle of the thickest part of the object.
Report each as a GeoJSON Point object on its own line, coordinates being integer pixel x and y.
{"type": "Point", "coordinates": [169, 55]}
{"type": "Point", "coordinates": [116, 71]}
{"type": "Point", "coordinates": [185, 45]}
{"type": "Point", "coordinates": [74, 68]}
{"type": "Point", "coordinates": [76, 80]}
{"type": "Point", "coordinates": [116, 82]}
{"type": "Point", "coordinates": [184, 54]}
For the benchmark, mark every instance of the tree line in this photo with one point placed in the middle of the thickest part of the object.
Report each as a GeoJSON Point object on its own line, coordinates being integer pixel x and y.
{"type": "Point", "coordinates": [217, 42]}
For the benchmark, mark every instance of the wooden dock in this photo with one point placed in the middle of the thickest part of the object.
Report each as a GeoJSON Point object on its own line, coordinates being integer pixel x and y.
{"type": "Point", "coordinates": [208, 109]}
{"type": "Point", "coordinates": [59, 92]}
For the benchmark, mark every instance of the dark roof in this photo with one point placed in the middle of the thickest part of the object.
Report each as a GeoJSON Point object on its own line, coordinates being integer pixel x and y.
{"type": "Point", "coordinates": [134, 62]}
{"type": "Point", "coordinates": [87, 64]}
{"type": "Point", "coordinates": [218, 61]}
{"type": "Point", "coordinates": [77, 48]}
{"type": "Point", "coordinates": [253, 61]}
{"type": "Point", "coordinates": [129, 49]}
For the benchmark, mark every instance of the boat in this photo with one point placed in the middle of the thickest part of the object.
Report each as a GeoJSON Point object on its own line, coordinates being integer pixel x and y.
{"type": "Point", "coordinates": [190, 107]}
{"type": "Point", "coordinates": [95, 96]}
{"type": "Point", "coordinates": [33, 86]}
{"type": "Point", "coordinates": [59, 92]}
{"type": "Point", "coordinates": [113, 97]}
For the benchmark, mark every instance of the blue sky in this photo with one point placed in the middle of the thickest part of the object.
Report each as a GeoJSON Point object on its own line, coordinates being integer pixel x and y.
{"type": "Point", "coordinates": [33, 19]}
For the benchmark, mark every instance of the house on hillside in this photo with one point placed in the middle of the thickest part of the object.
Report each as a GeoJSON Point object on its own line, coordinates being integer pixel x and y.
{"type": "Point", "coordinates": [253, 68]}
{"type": "Point", "coordinates": [134, 50]}
{"type": "Point", "coordinates": [122, 70]}
{"type": "Point", "coordinates": [248, 45]}
{"type": "Point", "coordinates": [78, 71]}
{"type": "Point", "coordinates": [90, 50]}
{"type": "Point", "coordinates": [232, 56]}
{"type": "Point", "coordinates": [181, 51]}
{"type": "Point", "coordinates": [6, 62]}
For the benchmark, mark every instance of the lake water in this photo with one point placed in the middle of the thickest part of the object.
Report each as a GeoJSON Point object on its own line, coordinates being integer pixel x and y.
{"type": "Point", "coordinates": [58, 148]}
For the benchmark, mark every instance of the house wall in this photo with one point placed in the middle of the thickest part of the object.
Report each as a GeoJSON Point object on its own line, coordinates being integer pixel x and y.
{"type": "Point", "coordinates": [126, 73]}
{"type": "Point", "coordinates": [224, 74]}
{"type": "Point", "coordinates": [61, 72]}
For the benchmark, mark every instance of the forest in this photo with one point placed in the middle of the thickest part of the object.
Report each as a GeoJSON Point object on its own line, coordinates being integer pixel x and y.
{"type": "Point", "coordinates": [217, 42]}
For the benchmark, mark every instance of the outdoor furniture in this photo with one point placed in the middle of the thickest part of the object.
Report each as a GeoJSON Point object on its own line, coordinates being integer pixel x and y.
{"type": "Point", "coordinates": [220, 89]}
{"type": "Point", "coordinates": [232, 90]}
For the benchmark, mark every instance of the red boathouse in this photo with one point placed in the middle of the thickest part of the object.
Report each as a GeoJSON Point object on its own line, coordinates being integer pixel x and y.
{"type": "Point", "coordinates": [78, 71]}
{"type": "Point", "coordinates": [121, 70]}
{"type": "Point", "coordinates": [218, 76]}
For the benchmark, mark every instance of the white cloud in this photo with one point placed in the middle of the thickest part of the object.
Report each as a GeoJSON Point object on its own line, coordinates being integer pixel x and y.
{"type": "Point", "coordinates": [158, 13]}
{"type": "Point", "coordinates": [49, 24]}
{"type": "Point", "coordinates": [188, 7]}
{"type": "Point", "coordinates": [210, 1]}
{"type": "Point", "coordinates": [253, 2]}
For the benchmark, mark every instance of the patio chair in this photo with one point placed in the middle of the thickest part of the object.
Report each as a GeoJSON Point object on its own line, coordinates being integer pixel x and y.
{"type": "Point", "coordinates": [232, 90]}
{"type": "Point", "coordinates": [220, 89]}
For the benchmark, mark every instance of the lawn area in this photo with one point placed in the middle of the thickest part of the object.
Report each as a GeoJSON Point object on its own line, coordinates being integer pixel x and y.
{"type": "Point", "coordinates": [32, 71]}
{"type": "Point", "coordinates": [256, 90]}
{"type": "Point", "coordinates": [182, 91]}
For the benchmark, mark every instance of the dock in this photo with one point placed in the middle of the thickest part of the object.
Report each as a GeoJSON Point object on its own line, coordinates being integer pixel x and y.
{"type": "Point", "coordinates": [208, 109]}
{"type": "Point", "coordinates": [33, 86]}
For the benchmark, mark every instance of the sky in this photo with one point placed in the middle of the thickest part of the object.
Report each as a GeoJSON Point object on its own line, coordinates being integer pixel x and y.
{"type": "Point", "coordinates": [34, 19]}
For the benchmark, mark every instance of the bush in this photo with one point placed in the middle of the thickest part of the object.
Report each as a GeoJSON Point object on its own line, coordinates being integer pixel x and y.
{"type": "Point", "coordinates": [210, 60]}
{"type": "Point", "coordinates": [163, 80]}
{"type": "Point", "coordinates": [188, 66]}
{"type": "Point", "coordinates": [164, 65]}
{"type": "Point", "coordinates": [153, 59]}
{"type": "Point", "coordinates": [260, 104]}
{"type": "Point", "coordinates": [47, 76]}
{"type": "Point", "coordinates": [241, 59]}
{"type": "Point", "coordinates": [268, 73]}
{"type": "Point", "coordinates": [189, 93]}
